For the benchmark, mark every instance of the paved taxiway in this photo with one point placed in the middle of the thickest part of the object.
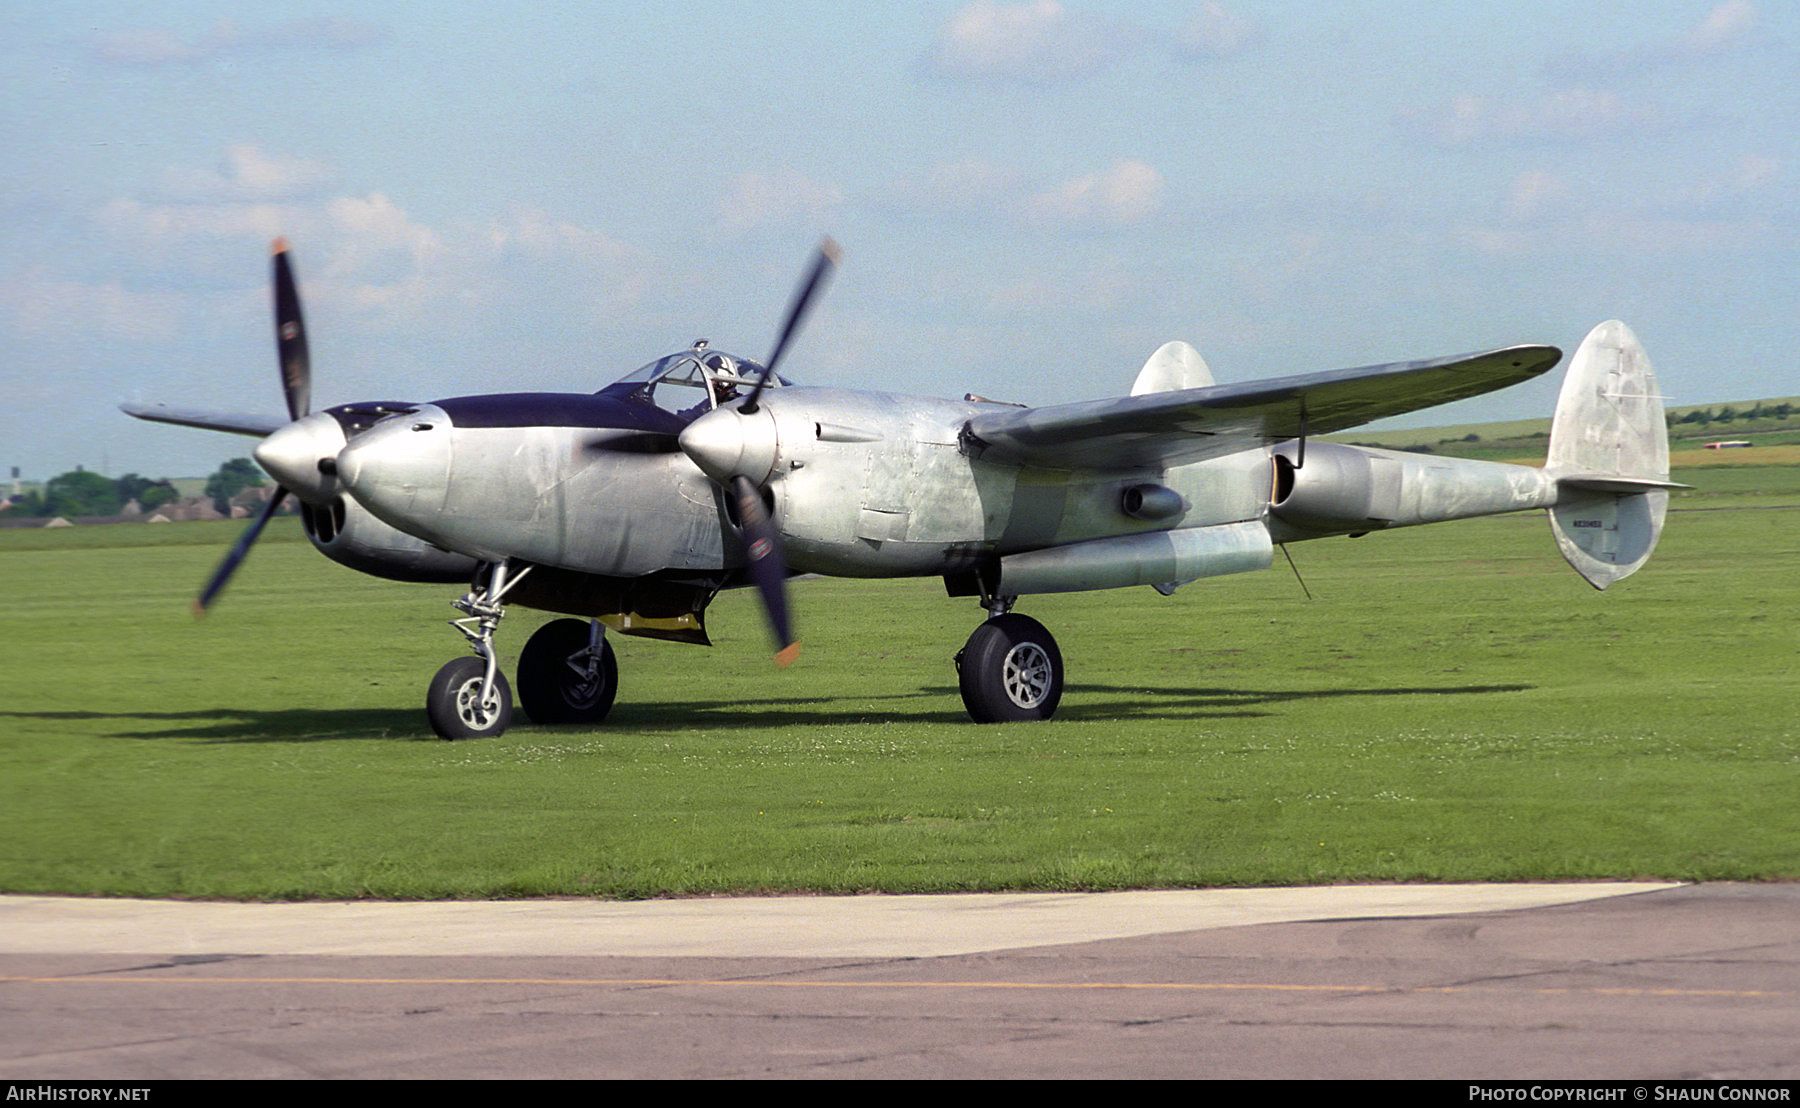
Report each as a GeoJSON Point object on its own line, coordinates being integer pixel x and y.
{"type": "Point", "coordinates": [1508, 981]}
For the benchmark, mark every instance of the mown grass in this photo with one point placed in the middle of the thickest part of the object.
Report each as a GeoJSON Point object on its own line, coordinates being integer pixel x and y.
{"type": "Point", "coordinates": [1451, 704]}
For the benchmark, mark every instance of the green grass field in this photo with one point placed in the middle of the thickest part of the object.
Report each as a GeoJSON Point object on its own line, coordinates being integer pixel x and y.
{"type": "Point", "coordinates": [1452, 704]}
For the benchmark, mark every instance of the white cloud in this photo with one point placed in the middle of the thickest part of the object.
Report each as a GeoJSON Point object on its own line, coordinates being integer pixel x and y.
{"type": "Point", "coordinates": [36, 303]}
{"type": "Point", "coordinates": [151, 46]}
{"type": "Point", "coordinates": [1557, 116]}
{"type": "Point", "coordinates": [1127, 192]}
{"type": "Point", "coordinates": [246, 171]}
{"type": "Point", "coordinates": [362, 256]}
{"type": "Point", "coordinates": [1725, 26]}
{"type": "Point", "coordinates": [380, 223]}
{"type": "Point", "coordinates": [152, 224]}
{"type": "Point", "coordinates": [1044, 42]}
{"type": "Point", "coordinates": [767, 201]}
{"type": "Point", "coordinates": [964, 185]}
{"type": "Point", "coordinates": [540, 235]}
{"type": "Point", "coordinates": [1038, 41]}
{"type": "Point", "coordinates": [1546, 214]}
{"type": "Point", "coordinates": [1218, 32]}
{"type": "Point", "coordinates": [1724, 32]}
{"type": "Point", "coordinates": [144, 47]}
{"type": "Point", "coordinates": [1535, 193]}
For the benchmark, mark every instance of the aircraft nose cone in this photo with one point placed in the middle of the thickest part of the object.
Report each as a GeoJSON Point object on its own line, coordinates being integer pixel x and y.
{"type": "Point", "coordinates": [292, 455]}
{"type": "Point", "coordinates": [725, 443]}
{"type": "Point", "coordinates": [399, 469]}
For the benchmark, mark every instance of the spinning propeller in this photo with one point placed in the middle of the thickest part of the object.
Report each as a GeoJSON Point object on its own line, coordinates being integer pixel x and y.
{"type": "Point", "coordinates": [296, 386]}
{"type": "Point", "coordinates": [725, 445]}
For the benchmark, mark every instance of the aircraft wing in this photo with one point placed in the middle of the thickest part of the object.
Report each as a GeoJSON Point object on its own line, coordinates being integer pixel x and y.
{"type": "Point", "coordinates": [237, 423]}
{"type": "Point", "coordinates": [1167, 428]}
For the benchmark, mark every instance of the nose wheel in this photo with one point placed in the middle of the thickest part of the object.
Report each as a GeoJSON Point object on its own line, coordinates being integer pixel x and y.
{"type": "Point", "coordinates": [463, 704]}
{"type": "Point", "coordinates": [1010, 670]}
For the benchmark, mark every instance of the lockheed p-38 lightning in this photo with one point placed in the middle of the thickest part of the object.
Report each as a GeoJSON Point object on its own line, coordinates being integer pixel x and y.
{"type": "Point", "coordinates": [631, 508]}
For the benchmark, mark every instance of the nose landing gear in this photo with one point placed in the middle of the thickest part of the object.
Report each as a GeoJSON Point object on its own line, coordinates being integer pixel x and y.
{"type": "Point", "coordinates": [567, 672]}
{"type": "Point", "coordinates": [469, 697]}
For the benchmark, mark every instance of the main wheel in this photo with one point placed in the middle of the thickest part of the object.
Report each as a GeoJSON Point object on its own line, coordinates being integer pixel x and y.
{"type": "Point", "coordinates": [1010, 670]}
{"type": "Point", "coordinates": [455, 706]}
{"type": "Point", "coordinates": [561, 680]}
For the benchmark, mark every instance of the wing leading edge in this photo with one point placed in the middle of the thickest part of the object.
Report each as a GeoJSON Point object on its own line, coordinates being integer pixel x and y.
{"type": "Point", "coordinates": [1193, 424]}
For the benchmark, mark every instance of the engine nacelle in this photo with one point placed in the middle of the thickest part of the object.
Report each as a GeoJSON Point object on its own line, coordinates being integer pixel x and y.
{"type": "Point", "coordinates": [345, 532]}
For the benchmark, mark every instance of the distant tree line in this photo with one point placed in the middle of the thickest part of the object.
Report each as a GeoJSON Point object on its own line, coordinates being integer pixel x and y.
{"type": "Point", "coordinates": [81, 493]}
{"type": "Point", "coordinates": [1701, 417]}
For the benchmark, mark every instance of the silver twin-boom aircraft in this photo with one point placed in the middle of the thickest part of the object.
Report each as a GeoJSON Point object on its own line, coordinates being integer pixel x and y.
{"type": "Point", "coordinates": [632, 507]}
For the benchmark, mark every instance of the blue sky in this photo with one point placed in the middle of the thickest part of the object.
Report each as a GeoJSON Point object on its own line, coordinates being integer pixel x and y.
{"type": "Point", "coordinates": [1031, 196]}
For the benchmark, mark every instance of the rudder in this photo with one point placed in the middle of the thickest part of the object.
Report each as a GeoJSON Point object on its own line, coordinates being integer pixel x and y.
{"type": "Point", "coordinates": [1609, 453]}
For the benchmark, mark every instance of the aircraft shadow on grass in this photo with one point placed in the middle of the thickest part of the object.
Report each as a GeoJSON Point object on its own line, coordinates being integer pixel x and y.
{"type": "Point", "coordinates": [1093, 702]}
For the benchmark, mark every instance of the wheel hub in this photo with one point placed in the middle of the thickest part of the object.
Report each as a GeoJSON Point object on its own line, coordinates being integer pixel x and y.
{"type": "Point", "coordinates": [1026, 675]}
{"type": "Point", "coordinates": [475, 711]}
{"type": "Point", "coordinates": [581, 681]}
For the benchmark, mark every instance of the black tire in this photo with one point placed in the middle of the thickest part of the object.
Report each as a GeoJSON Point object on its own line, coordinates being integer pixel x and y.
{"type": "Point", "coordinates": [453, 702]}
{"type": "Point", "coordinates": [554, 683]}
{"type": "Point", "coordinates": [1010, 671]}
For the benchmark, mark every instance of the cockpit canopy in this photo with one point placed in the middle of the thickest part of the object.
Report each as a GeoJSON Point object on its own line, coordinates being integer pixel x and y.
{"type": "Point", "coordinates": [692, 382]}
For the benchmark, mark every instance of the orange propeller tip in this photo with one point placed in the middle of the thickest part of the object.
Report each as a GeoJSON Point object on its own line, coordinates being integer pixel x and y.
{"type": "Point", "coordinates": [279, 246]}
{"type": "Point", "coordinates": [199, 610]}
{"type": "Point", "coordinates": [786, 655]}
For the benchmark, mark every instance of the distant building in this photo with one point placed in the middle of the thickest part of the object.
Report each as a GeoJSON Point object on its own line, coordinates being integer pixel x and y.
{"type": "Point", "coordinates": [191, 508]}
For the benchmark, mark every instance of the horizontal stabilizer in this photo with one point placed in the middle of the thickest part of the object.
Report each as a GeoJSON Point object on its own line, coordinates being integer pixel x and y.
{"type": "Point", "coordinates": [1623, 486]}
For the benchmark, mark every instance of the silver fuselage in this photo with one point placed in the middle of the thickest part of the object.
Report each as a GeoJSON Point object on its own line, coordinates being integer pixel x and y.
{"type": "Point", "coordinates": [868, 485]}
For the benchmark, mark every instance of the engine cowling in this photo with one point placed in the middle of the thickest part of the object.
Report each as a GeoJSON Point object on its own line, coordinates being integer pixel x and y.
{"type": "Point", "coordinates": [1331, 488]}
{"type": "Point", "coordinates": [345, 532]}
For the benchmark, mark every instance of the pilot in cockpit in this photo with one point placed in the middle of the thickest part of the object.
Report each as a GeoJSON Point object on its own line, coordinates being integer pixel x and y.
{"type": "Point", "coordinates": [722, 375]}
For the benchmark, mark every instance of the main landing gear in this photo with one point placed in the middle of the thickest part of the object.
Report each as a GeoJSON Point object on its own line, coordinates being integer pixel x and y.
{"type": "Point", "coordinates": [1010, 670]}
{"type": "Point", "coordinates": [567, 672]}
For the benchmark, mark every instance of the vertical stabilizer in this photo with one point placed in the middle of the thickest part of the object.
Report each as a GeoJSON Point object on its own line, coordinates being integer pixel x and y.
{"type": "Point", "coordinates": [1174, 366]}
{"type": "Point", "coordinates": [1609, 454]}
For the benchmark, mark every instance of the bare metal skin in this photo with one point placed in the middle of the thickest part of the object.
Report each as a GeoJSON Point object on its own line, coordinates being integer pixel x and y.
{"type": "Point", "coordinates": [703, 470]}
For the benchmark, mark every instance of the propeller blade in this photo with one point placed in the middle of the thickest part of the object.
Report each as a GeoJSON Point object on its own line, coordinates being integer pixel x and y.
{"type": "Point", "coordinates": [222, 576]}
{"type": "Point", "coordinates": [290, 336]}
{"type": "Point", "coordinates": [809, 290]}
{"type": "Point", "coordinates": [768, 569]}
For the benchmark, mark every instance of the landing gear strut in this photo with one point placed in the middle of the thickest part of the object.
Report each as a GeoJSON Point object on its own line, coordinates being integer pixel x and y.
{"type": "Point", "coordinates": [1010, 669]}
{"type": "Point", "coordinates": [469, 698]}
